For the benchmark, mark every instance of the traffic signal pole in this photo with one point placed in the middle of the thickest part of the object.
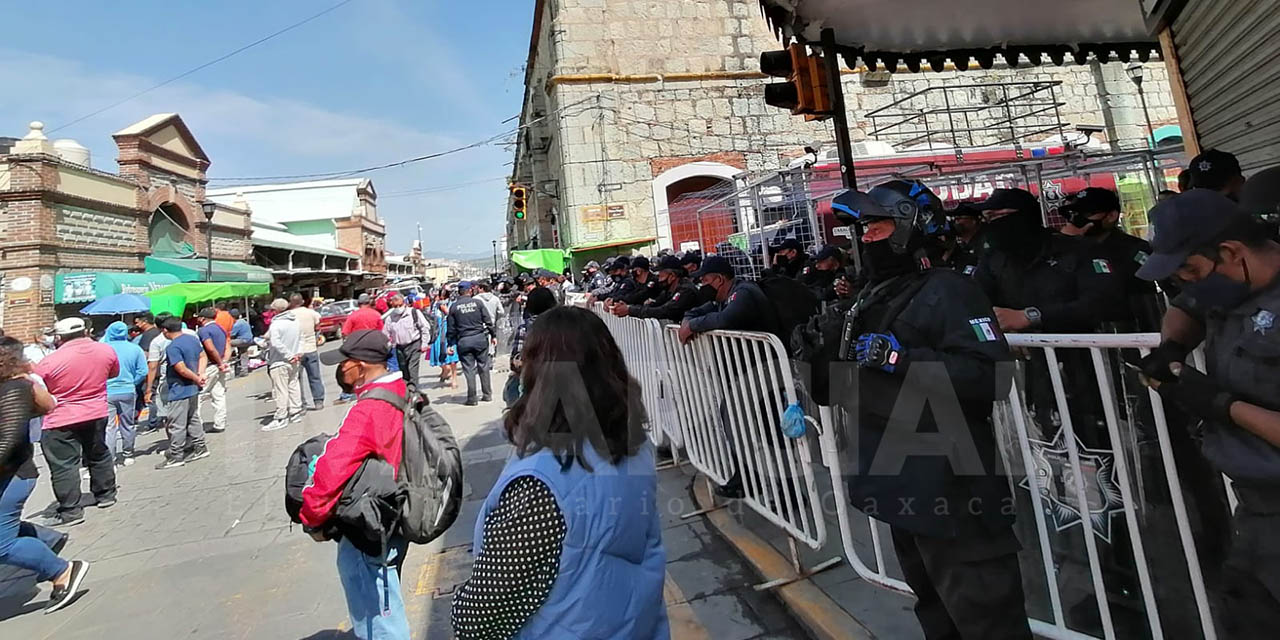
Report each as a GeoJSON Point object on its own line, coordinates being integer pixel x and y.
{"type": "Point", "coordinates": [839, 119]}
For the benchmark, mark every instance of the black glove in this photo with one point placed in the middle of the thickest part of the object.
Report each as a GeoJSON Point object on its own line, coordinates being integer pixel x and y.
{"type": "Point", "coordinates": [1156, 364]}
{"type": "Point", "coordinates": [1198, 395]}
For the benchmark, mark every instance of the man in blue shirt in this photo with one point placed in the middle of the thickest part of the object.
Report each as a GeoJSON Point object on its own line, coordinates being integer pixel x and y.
{"type": "Point", "coordinates": [217, 351]}
{"type": "Point", "coordinates": [184, 383]}
{"type": "Point", "coordinates": [241, 339]}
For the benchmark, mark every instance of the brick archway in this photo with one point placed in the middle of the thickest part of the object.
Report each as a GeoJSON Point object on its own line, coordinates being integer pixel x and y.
{"type": "Point", "coordinates": [172, 199]}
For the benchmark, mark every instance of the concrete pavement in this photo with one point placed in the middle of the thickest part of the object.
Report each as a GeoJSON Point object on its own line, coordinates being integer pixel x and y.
{"type": "Point", "coordinates": [206, 550]}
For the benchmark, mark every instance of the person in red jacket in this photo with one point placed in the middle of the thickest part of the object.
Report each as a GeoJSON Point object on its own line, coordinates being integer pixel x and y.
{"type": "Point", "coordinates": [371, 429]}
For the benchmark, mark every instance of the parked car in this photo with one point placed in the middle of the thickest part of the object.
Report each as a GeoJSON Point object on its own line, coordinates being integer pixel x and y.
{"type": "Point", "coordinates": [332, 316]}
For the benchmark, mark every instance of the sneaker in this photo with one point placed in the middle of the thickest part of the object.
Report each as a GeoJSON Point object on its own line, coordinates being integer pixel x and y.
{"type": "Point", "coordinates": [106, 503]}
{"type": "Point", "coordinates": [62, 520]}
{"type": "Point", "coordinates": [215, 429]}
{"type": "Point", "coordinates": [317, 406]}
{"type": "Point", "coordinates": [200, 453]}
{"type": "Point", "coordinates": [297, 417]}
{"type": "Point", "coordinates": [276, 425]}
{"type": "Point", "coordinates": [471, 402]}
{"type": "Point", "coordinates": [128, 461]}
{"type": "Point", "coordinates": [486, 398]}
{"type": "Point", "coordinates": [170, 463]}
{"type": "Point", "coordinates": [62, 596]}
{"type": "Point", "coordinates": [342, 400]}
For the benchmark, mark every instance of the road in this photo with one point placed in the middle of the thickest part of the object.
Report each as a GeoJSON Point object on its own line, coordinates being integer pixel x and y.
{"type": "Point", "coordinates": [206, 550]}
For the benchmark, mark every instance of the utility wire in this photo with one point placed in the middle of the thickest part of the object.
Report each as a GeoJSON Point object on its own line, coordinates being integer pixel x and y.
{"type": "Point", "coordinates": [204, 66]}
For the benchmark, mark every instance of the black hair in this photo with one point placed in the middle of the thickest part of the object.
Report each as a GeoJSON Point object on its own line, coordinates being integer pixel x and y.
{"type": "Point", "coordinates": [147, 317]}
{"type": "Point", "coordinates": [540, 300]}
{"type": "Point", "coordinates": [577, 392]}
{"type": "Point", "coordinates": [172, 323]}
{"type": "Point", "coordinates": [161, 317]}
{"type": "Point", "coordinates": [12, 362]}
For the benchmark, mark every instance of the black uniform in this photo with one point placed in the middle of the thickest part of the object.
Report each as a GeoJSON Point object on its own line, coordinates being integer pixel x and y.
{"type": "Point", "coordinates": [951, 519]}
{"type": "Point", "coordinates": [643, 292]}
{"type": "Point", "coordinates": [470, 327]}
{"type": "Point", "coordinates": [821, 283]}
{"type": "Point", "coordinates": [966, 256]}
{"type": "Point", "coordinates": [625, 287]}
{"type": "Point", "coordinates": [746, 309]}
{"type": "Point", "coordinates": [1124, 255]}
{"type": "Point", "coordinates": [598, 280]}
{"type": "Point", "coordinates": [793, 267]}
{"type": "Point", "coordinates": [669, 306]}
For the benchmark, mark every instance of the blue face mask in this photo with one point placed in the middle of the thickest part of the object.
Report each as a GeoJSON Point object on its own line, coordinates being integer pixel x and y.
{"type": "Point", "coordinates": [1217, 291]}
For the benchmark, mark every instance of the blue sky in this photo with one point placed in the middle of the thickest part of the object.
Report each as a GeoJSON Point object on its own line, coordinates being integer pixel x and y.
{"type": "Point", "coordinates": [375, 81]}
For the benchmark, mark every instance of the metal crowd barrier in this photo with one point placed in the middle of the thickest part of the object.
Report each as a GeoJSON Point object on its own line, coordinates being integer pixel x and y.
{"type": "Point", "coordinates": [1056, 473]}
{"type": "Point", "coordinates": [640, 342]}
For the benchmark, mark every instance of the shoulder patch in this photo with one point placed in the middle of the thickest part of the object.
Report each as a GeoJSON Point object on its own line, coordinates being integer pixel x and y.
{"type": "Point", "coordinates": [984, 329]}
{"type": "Point", "coordinates": [733, 296]}
{"type": "Point", "coordinates": [969, 269]}
{"type": "Point", "coordinates": [675, 297]}
{"type": "Point", "coordinates": [1263, 321]}
{"type": "Point", "coordinates": [1141, 257]}
{"type": "Point", "coordinates": [1101, 265]}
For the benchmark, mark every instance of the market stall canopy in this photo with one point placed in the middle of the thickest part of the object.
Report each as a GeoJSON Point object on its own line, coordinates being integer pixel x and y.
{"type": "Point", "coordinates": [929, 33]}
{"type": "Point", "coordinates": [193, 270]}
{"type": "Point", "coordinates": [117, 305]}
{"type": "Point", "coordinates": [197, 292]}
{"type": "Point", "coordinates": [87, 286]}
{"type": "Point", "coordinates": [552, 259]}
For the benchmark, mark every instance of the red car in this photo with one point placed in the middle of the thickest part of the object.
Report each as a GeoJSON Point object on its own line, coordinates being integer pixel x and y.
{"type": "Point", "coordinates": [332, 316]}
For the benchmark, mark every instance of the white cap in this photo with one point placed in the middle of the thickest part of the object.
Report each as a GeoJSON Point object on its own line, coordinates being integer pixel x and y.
{"type": "Point", "coordinates": [67, 326]}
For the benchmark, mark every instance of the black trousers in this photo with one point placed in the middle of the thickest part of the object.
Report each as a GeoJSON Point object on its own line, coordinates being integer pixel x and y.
{"type": "Point", "coordinates": [473, 353]}
{"type": "Point", "coordinates": [409, 357]}
{"type": "Point", "coordinates": [64, 448]}
{"type": "Point", "coordinates": [967, 588]}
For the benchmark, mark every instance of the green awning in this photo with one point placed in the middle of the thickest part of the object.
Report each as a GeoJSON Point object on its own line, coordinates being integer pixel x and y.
{"type": "Point", "coordinates": [552, 259]}
{"type": "Point", "coordinates": [87, 286]}
{"type": "Point", "coordinates": [193, 270]}
{"type": "Point", "coordinates": [197, 292]}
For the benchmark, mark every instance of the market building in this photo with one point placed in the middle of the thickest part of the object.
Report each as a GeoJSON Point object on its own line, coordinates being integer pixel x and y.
{"type": "Point", "coordinates": [409, 265]}
{"type": "Point", "coordinates": [319, 237]}
{"type": "Point", "coordinates": [630, 107]}
{"type": "Point", "coordinates": [71, 233]}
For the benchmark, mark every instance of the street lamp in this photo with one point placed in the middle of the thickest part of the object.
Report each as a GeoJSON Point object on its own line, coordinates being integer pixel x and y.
{"type": "Point", "coordinates": [495, 256]}
{"type": "Point", "coordinates": [1135, 70]}
{"type": "Point", "coordinates": [208, 206]}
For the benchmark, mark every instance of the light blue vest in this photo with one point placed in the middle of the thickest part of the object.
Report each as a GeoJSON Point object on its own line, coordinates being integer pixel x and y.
{"type": "Point", "coordinates": [613, 564]}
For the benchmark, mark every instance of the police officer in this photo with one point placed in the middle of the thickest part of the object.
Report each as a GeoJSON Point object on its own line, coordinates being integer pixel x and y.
{"type": "Point", "coordinates": [691, 261]}
{"type": "Point", "coordinates": [625, 284]}
{"type": "Point", "coordinates": [823, 272]}
{"type": "Point", "coordinates": [1093, 215]}
{"type": "Point", "coordinates": [470, 329]}
{"type": "Point", "coordinates": [1217, 170]}
{"type": "Point", "coordinates": [1231, 273]}
{"type": "Point", "coordinates": [596, 279]}
{"type": "Point", "coordinates": [965, 250]}
{"type": "Point", "coordinates": [646, 285]}
{"type": "Point", "coordinates": [926, 336]}
{"type": "Point", "coordinates": [789, 258]}
{"type": "Point", "coordinates": [675, 296]}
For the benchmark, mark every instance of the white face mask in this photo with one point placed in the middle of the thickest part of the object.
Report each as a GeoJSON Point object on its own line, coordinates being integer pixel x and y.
{"type": "Point", "coordinates": [46, 340]}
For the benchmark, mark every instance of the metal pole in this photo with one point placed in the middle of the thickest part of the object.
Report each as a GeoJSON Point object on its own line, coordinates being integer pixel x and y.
{"type": "Point", "coordinates": [208, 250]}
{"type": "Point", "coordinates": [840, 119]}
{"type": "Point", "coordinates": [495, 256]}
{"type": "Point", "coordinates": [1151, 145]}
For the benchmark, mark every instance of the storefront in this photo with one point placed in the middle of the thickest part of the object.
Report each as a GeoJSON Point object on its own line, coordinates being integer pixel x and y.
{"type": "Point", "coordinates": [196, 270]}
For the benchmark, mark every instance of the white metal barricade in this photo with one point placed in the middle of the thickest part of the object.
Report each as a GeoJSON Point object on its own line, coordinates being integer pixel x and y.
{"type": "Point", "coordinates": [1026, 457]}
{"type": "Point", "coordinates": [640, 340]}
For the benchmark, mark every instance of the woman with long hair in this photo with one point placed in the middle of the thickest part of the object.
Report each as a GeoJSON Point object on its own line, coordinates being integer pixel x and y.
{"type": "Point", "coordinates": [568, 543]}
{"type": "Point", "coordinates": [440, 356]}
{"type": "Point", "coordinates": [23, 544]}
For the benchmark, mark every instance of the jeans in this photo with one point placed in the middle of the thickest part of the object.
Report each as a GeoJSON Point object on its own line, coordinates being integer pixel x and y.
{"type": "Point", "coordinates": [64, 448]}
{"type": "Point", "coordinates": [121, 422]}
{"type": "Point", "coordinates": [214, 394]}
{"type": "Point", "coordinates": [185, 428]}
{"type": "Point", "coordinates": [286, 389]}
{"type": "Point", "coordinates": [23, 544]}
{"type": "Point", "coordinates": [474, 355]}
{"type": "Point", "coordinates": [409, 357]}
{"type": "Point", "coordinates": [310, 363]}
{"type": "Point", "coordinates": [393, 364]}
{"type": "Point", "coordinates": [372, 589]}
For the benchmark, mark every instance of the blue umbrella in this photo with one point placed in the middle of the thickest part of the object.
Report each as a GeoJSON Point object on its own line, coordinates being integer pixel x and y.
{"type": "Point", "coordinates": [119, 304]}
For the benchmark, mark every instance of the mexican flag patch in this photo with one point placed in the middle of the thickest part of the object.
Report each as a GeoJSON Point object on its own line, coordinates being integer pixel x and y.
{"type": "Point", "coordinates": [983, 329]}
{"type": "Point", "coordinates": [1101, 265]}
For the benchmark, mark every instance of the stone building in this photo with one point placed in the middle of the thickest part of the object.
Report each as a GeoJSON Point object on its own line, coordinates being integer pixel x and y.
{"type": "Point", "coordinates": [629, 105]}
{"type": "Point", "coordinates": [70, 233]}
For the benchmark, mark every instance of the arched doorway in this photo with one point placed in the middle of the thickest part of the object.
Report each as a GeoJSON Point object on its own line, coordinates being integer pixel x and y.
{"type": "Point", "coordinates": [167, 233]}
{"type": "Point", "coordinates": [675, 192]}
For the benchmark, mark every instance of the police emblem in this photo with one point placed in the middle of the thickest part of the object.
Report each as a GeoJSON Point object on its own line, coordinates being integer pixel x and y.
{"type": "Point", "coordinates": [1263, 321]}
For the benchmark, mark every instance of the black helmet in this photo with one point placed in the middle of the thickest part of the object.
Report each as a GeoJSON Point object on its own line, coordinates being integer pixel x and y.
{"type": "Point", "coordinates": [916, 211]}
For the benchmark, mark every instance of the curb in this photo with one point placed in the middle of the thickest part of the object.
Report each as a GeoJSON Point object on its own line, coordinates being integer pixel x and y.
{"type": "Point", "coordinates": [805, 601]}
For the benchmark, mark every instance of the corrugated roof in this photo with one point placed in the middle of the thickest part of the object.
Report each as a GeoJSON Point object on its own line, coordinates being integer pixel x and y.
{"type": "Point", "coordinates": [928, 33]}
{"type": "Point", "coordinates": [285, 240]}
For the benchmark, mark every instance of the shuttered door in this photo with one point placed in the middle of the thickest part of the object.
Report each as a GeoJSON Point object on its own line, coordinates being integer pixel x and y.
{"type": "Point", "coordinates": [1228, 50]}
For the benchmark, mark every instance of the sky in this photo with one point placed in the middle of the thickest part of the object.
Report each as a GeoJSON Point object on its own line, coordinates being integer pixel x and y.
{"type": "Point", "coordinates": [373, 82]}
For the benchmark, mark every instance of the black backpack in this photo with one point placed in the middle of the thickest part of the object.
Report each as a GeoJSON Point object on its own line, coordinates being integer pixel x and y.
{"type": "Point", "coordinates": [793, 304]}
{"type": "Point", "coordinates": [430, 468]}
{"type": "Point", "coordinates": [297, 473]}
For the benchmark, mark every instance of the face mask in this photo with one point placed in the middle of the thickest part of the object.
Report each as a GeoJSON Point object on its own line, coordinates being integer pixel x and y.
{"type": "Point", "coordinates": [1217, 291]}
{"type": "Point", "coordinates": [883, 263]}
{"type": "Point", "coordinates": [1014, 233]}
{"type": "Point", "coordinates": [46, 340]}
{"type": "Point", "coordinates": [781, 260]}
{"type": "Point", "coordinates": [706, 293]}
{"type": "Point", "coordinates": [342, 384]}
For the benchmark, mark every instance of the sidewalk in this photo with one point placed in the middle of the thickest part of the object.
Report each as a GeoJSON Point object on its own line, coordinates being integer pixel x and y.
{"type": "Point", "coordinates": [206, 551]}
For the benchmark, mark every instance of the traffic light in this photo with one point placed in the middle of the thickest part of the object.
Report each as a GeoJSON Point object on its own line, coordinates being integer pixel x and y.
{"type": "Point", "coordinates": [805, 91]}
{"type": "Point", "coordinates": [519, 200]}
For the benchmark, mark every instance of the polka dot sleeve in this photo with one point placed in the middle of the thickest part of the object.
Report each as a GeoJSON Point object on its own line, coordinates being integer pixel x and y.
{"type": "Point", "coordinates": [517, 565]}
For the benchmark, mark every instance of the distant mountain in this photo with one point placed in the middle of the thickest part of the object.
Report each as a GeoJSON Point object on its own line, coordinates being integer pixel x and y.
{"type": "Point", "coordinates": [465, 255]}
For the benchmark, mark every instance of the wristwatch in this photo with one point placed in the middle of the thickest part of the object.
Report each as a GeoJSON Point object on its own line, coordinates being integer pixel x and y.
{"type": "Point", "coordinates": [1033, 316]}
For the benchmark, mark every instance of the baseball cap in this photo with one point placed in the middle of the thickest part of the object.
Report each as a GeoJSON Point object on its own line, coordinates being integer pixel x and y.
{"type": "Point", "coordinates": [365, 345]}
{"type": "Point", "coordinates": [691, 257]}
{"type": "Point", "coordinates": [964, 210]}
{"type": "Point", "coordinates": [714, 264]}
{"type": "Point", "coordinates": [669, 262]}
{"type": "Point", "coordinates": [622, 262]}
{"type": "Point", "coordinates": [208, 312]}
{"type": "Point", "coordinates": [1261, 192]}
{"type": "Point", "coordinates": [1213, 168]}
{"type": "Point", "coordinates": [364, 299]}
{"type": "Point", "coordinates": [790, 243]}
{"type": "Point", "coordinates": [1090, 201]}
{"type": "Point", "coordinates": [828, 252]}
{"type": "Point", "coordinates": [1017, 199]}
{"type": "Point", "coordinates": [640, 262]}
{"type": "Point", "coordinates": [465, 284]}
{"type": "Point", "coordinates": [1183, 224]}
{"type": "Point", "coordinates": [593, 265]}
{"type": "Point", "coordinates": [67, 326]}
{"type": "Point", "coordinates": [279, 304]}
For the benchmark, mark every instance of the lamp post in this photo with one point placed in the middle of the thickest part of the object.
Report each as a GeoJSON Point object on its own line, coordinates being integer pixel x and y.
{"type": "Point", "coordinates": [1135, 70]}
{"type": "Point", "coordinates": [208, 207]}
{"type": "Point", "coordinates": [495, 256]}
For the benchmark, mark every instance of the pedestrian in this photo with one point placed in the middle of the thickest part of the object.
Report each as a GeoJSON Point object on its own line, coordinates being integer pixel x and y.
{"type": "Point", "coordinates": [76, 430]}
{"type": "Point", "coordinates": [439, 350]}
{"type": "Point", "coordinates": [917, 335]}
{"type": "Point", "coordinates": [241, 340]}
{"type": "Point", "coordinates": [540, 301]}
{"type": "Point", "coordinates": [491, 302]}
{"type": "Point", "coordinates": [364, 317]}
{"type": "Point", "coordinates": [223, 318]}
{"type": "Point", "coordinates": [284, 355]}
{"type": "Point", "coordinates": [1230, 269]}
{"type": "Point", "coordinates": [217, 357]}
{"type": "Point", "coordinates": [408, 331]}
{"type": "Point", "coordinates": [674, 295]}
{"type": "Point", "coordinates": [41, 346]}
{"type": "Point", "coordinates": [308, 321]}
{"type": "Point", "coordinates": [469, 332]}
{"type": "Point", "coordinates": [542, 569]}
{"type": "Point", "coordinates": [156, 390]}
{"type": "Point", "coordinates": [23, 544]}
{"type": "Point", "coordinates": [183, 356]}
{"type": "Point", "coordinates": [122, 393]}
{"type": "Point", "coordinates": [789, 258]}
{"type": "Point", "coordinates": [372, 429]}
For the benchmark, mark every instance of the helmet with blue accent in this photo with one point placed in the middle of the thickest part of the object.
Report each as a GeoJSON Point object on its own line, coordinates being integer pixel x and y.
{"type": "Point", "coordinates": [916, 211]}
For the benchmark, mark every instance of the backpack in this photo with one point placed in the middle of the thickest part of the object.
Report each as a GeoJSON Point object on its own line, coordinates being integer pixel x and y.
{"type": "Point", "coordinates": [297, 473]}
{"type": "Point", "coordinates": [793, 304]}
{"type": "Point", "coordinates": [430, 468]}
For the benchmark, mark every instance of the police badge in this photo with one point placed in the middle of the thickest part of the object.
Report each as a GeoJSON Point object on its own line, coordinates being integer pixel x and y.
{"type": "Point", "coordinates": [1263, 321]}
